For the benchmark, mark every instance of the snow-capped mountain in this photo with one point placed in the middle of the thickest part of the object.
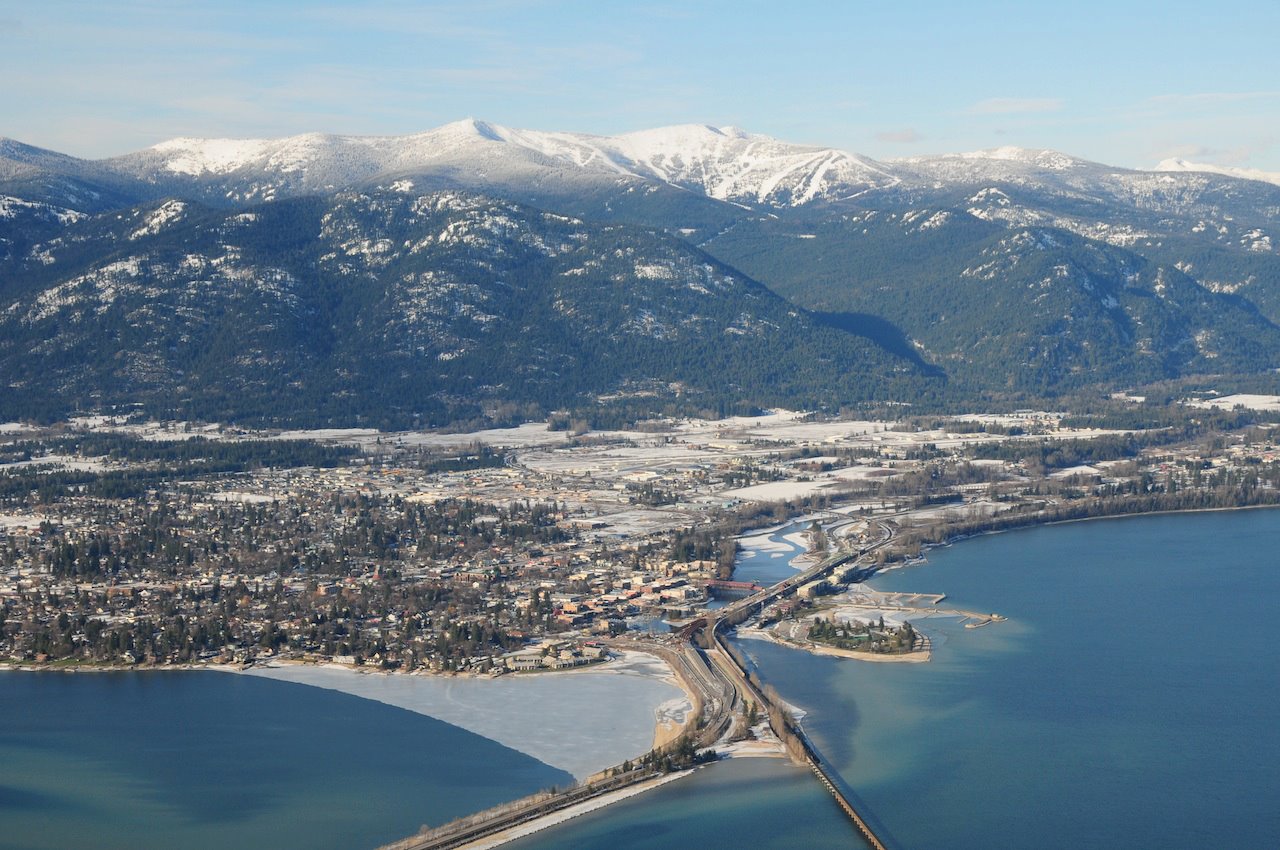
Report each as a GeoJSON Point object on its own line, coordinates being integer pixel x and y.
{"type": "Point", "coordinates": [399, 308]}
{"type": "Point", "coordinates": [722, 163]}
{"type": "Point", "coordinates": [1007, 270]}
{"type": "Point", "coordinates": [731, 165]}
{"type": "Point", "coordinates": [994, 164]}
{"type": "Point", "coordinates": [1176, 164]}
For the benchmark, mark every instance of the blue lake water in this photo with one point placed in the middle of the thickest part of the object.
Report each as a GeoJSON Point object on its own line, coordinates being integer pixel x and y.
{"type": "Point", "coordinates": [213, 760]}
{"type": "Point", "coordinates": [1131, 700]}
{"type": "Point", "coordinates": [747, 803]}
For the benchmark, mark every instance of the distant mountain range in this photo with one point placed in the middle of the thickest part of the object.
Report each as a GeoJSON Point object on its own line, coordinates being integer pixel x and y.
{"type": "Point", "coordinates": [476, 268]}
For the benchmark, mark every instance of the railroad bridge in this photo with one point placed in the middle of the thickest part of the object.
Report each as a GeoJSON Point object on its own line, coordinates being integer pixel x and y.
{"type": "Point", "coordinates": [724, 589]}
{"type": "Point", "coordinates": [722, 686]}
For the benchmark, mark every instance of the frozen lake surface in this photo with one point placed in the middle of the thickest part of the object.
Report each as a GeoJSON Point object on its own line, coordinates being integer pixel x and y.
{"type": "Point", "coordinates": [580, 721]}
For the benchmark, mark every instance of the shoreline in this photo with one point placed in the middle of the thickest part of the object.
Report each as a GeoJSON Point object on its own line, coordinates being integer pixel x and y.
{"type": "Point", "coordinates": [613, 797]}
{"type": "Point", "coordinates": [577, 810]}
{"type": "Point", "coordinates": [921, 559]}
{"type": "Point", "coordinates": [913, 657]}
{"type": "Point", "coordinates": [749, 749]}
{"type": "Point", "coordinates": [581, 724]}
{"type": "Point", "coordinates": [32, 667]}
{"type": "Point", "coordinates": [1168, 512]}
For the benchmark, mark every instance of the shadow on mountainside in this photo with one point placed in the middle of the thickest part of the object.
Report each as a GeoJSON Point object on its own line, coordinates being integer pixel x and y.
{"type": "Point", "coordinates": [883, 333]}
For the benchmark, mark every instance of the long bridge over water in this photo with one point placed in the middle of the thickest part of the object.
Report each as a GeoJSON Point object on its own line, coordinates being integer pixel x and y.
{"type": "Point", "coordinates": [729, 662]}
{"type": "Point", "coordinates": [721, 688]}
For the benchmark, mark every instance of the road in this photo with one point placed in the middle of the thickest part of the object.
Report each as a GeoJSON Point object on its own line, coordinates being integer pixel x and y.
{"type": "Point", "coordinates": [721, 691]}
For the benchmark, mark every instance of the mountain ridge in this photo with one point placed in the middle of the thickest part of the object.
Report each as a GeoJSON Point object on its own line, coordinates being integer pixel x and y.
{"type": "Point", "coordinates": [722, 163]}
{"type": "Point", "coordinates": [407, 309]}
{"type": "Point", "coordinates": [1009, 273]}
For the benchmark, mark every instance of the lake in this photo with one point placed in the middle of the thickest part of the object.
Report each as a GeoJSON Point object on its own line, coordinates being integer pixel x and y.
{"type": "Point", "coordinates": [205, 759]}
{"type": "Point", "coordinates": [1129, 701]}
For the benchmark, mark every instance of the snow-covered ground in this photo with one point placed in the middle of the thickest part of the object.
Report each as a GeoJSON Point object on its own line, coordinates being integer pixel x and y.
{"type": "Point", "coordinates": [763, 542]}
{"type": "Point", "coordinates": [60, 461]}
{"type": "Point", "coordinates": [10, 521]}
{"type": "Point", "coordinates": [1249, 400]}
{"type": "Point", "coordinates": [1204, 167]}
{"type": "Point", "coordinates": [243, 498]}
{"type": "Point", "coordinates": [329, 434]}
{"type": "Point", "coordinates": [824, 432]}
{"type": "Point", "coordinates": [778, 491]}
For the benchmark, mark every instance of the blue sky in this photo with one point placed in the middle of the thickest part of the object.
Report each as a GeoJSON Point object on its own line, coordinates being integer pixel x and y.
{"type": "Point", "coordinates": [1123, 83]}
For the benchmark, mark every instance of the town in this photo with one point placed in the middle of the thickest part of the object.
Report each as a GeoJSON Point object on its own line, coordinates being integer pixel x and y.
{"type": "Point", "coordinates": [129, 544]}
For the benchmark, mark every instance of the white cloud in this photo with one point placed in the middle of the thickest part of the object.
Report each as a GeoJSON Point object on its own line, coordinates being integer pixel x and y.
{"type": "Point", "coordinates": [1243, 155]}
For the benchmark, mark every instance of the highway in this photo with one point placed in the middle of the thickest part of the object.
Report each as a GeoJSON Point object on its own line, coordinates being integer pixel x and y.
{"type": "Point", "coordinates": [728, 664]}
{"type": "Point", "coordinates": [721, 691]}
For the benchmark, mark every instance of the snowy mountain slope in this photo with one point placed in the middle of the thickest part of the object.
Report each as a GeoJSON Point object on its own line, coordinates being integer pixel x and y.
{"type": "Point", "coordinates": [405, 307]}
{"type": "Point", "coordinates": [1006, 164]}
{"type": "Point", "coordinates": [720, 164]}
{"type": "Point", "coordinates": [44, 176]}
{"type": "Point", "coordinates": [725, 164]}
{"type": "Point", "coordinates": [732, 165]}
{"type": "Point", "coordinates": [1026, 249]}
{"type": "Point", "coordinates": [1032, 307]}
{"type": "Point", "coordinates": [1179, 165]}
{"type": "Point", "coordinates": [1220, 225]}
{"type": "Point", "coordinates": [1049, 175]}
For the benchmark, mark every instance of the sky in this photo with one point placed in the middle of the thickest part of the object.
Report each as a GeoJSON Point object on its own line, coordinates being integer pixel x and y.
{"type": "Point", "coordinates": [1125, 83]}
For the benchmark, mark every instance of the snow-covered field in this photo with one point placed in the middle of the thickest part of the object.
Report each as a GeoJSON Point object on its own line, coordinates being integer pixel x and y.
{"type": "Point", "coordinates": [1069, 471]}
{"type": "Point", "coordinates": [977, 508]}
{"type": "Point", "coordinates": [330, 434]}
{"type": "Point", "coordinates": [619, 460]}
{"type": "Point", "coordinates": [864, 473]}
{"type": "Point", "coordinates": [11, 521]}
{"type": "Point", "coordinates": [60, 461]}
{"type": "Point", "coordinates": [779, 491]}
{"type": "Point", "coordinates": [640, 521]}
{"type": "Point", "coordinates": [812, 432]}
{"type": "Point", "coordinates": [1249, 400]}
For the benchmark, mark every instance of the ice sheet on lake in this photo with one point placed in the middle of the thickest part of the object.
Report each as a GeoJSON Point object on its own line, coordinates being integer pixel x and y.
{"type": "Point", "coordinates": [580, 721]}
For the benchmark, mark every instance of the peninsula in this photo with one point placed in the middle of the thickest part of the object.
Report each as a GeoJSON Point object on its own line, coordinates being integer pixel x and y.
{"type": "Point", "coordinates": [135, 544]}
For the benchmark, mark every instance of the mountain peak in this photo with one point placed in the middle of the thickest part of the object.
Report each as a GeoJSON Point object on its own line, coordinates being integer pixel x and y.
{"type": "Point", "coordinates": [685, 134]}
{"type": "Point", "coordinates": [1181, 165]}
{"type": "Point", "coordinates": [1043, 158]}
{"type": "Point", "coordinates": [722, 163]}
{"type": "Point", "coordinates": [195, 157]}
{"type": "Point", "coordinates": [474, 127]}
